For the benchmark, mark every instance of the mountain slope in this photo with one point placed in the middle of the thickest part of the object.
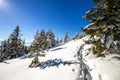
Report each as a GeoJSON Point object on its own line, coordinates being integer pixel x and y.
{"type": "Point", "coordinates": [64, 62]}
{"type": "Point", "coordinates": [58, 64]}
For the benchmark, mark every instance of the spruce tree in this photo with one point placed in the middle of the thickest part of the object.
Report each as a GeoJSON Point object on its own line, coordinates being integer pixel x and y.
{"type": "Point", "coordinates": [66, 38]}
{"type": "Point", "coordinates": [36, 47]}
{"type": "Point", "coordinates": [13, 47]}
{"type": "Point", "coordinates": [50, 38]}
{"type": "Point", "coordinates": [42, 41]}
{"type": "Point", "coordinates": [57, 41]}
{"type": "Point", "coordinates": [104, 26]}
{"type": "Point", "coordinates": [61, 40]}
{"type": "Point", "coordinates": [76, 36]}
{"type": "Point", "coordinates": [45, 39]}
{"type": "Point", "coordinates": [43, 35]}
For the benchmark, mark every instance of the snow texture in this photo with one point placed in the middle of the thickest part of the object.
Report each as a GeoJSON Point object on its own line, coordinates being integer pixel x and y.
{"type": "Point", "coordinates": [69, 61]}
{"type": "Point", "coordinates": [58, 64]}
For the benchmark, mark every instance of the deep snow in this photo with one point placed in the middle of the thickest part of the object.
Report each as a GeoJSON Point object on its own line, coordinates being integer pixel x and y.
{"type": "Point", "coordinates": [17, 69]}
{"type": "Point", "coordinates": [61, 63]}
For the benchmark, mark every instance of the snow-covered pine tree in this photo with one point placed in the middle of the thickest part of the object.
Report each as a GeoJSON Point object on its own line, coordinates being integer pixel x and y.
{"type": "Point", "coordinates": [37, 44]}
{"type": "Point", "coordinates": [50, 38]}
{"type": "Point", "coordinates": [43, 38]}
{"type": "Point", "coordinates": [43, 35]}
{"type": "Point", "coordinates": [36, 47]}
{"type": "Point", "coordinates": [3, 48]}
{"type": "Point", "coordinates": [13, 47]}
{"type": "Point", "coordinates": [104, 26]}
{"type": "Point", "coordinates": [61, 40]}
{"type": "Point", "coordinates": [76, 36]}
{"type": "Point", "coordinates": [46, 39]}
{"type": "Point", "coordinates": [0, 53]}
{"type": "Point", "coordinates": [66, 38]}
{"type": "Point", "coordinates": [57, 41]}
{"type": "Point", "coordinates": [48, 42]}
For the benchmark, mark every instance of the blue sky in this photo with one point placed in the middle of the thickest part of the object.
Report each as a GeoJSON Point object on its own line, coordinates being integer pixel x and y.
{"type": "Point", "coordinates": [32, 15]}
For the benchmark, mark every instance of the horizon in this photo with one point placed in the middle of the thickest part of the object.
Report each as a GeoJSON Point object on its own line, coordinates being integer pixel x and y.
{"type": "Point", "coordinates": [60, 16]}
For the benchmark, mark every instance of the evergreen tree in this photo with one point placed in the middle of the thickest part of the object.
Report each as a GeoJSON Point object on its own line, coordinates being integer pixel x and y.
{"type": "Point", "coordinates": [104, 27]}
{"type": "Point", "coordinates": [36, 47]}
{"type": "Point", "coordinates": [45, 39]}
{"type": "Point", "coordinates": [13, 47]}
{"type": "Point", "coordinates": [66, 38]}
{"type": "Point", "coordinates": [37, 44]}
{"type": "Point", "coordinates": [41, 42]}
{"type": "Point", "coordinates": [61, 40]}
{"type": "Point", "coordinates": [57, 41]}
{"type": "Point", "coordinates": [76, 36]}
{"type": "Point", "coordinates": [43, 35]}
{"type": "Point", "coordinates": [50, 38]}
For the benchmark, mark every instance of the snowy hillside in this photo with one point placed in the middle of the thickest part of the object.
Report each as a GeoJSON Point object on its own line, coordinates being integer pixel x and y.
{"type": "Point", "coordinates": [17, 69]}
{"type": "Point", "coordinates": [63, 63]}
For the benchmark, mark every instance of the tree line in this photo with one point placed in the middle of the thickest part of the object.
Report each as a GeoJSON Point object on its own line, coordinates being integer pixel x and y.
{"type": "Point", "coordinates": [103, 33]}
{"type": "Point", "coordinates": [14, 46]}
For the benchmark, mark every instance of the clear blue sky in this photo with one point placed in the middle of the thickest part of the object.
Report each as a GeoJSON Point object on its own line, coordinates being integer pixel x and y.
{"type": "Point", "coordinates": [32, 15]}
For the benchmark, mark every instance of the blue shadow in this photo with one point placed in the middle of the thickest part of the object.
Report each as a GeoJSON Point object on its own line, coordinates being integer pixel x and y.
{"type": "Point", "coordinates": [54, 62]}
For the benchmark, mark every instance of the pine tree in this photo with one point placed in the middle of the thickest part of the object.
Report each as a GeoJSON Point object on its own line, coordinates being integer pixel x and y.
{"type": "Point", "coordinates": [42, 41]}
{"type": "Point", "coordinates": [43, 35]}
{"type": "Point", "coordinates": [76, 36]}
{"type": "Point", "coordinates": [61, 40]}
{"type": "Point", "coordinates": [57, 41]}
{"type": "Point", "coordinates": [50, 38]}
{"type": "Point", "coordinates": [0, 52]}
{"type": "Point", "coordinates": [66, 38]}
{"type": "Point", "coordinates": [104, 30]}
{"type": "Point", "coordinates": [36, 47]}
{"type": "Point", "coordinates": [45, 39]}
{"type": "Point", "coordinates": [37, 44]}
{"type": "Point", "coordinates": [13, 47]}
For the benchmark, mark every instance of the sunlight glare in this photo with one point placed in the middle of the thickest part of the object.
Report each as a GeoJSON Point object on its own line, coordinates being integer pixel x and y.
{"type": "Point", "coordinates": [3, 4]}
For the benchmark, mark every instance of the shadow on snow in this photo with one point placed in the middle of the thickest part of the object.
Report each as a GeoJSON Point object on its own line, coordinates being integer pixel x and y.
{"type": "Point", "coordinates": [54, 62]}
{"type": "Point", "coordinates": [5, 62]}
{"type": "Point", "coordinates": [58, 48]}
{"type": "Point", "coordinates": [24, 57]}
{"type": "Point", "coordinates": [116, 57]}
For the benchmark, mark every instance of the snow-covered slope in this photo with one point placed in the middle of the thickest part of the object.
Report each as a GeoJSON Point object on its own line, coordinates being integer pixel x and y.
{"type": "Point", "coordinates": [61, 63]}
{"type": "Point", "coordinates": [101, 68]}
{"type": "Point", "coordinates": [58, 64]}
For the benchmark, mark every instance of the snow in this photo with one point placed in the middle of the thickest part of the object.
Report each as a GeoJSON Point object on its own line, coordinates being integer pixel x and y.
{"type": "Point", "coordinates": [88, 25]}
{"type": "Point", "coordinates": [17, 69]}
{"type": "Point", "coordinates": [107, 68]}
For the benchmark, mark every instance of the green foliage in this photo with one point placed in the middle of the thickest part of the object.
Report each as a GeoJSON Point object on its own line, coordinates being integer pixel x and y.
{"type": "Point", "coordinates": [14, 46]}
{"type": "Point", "coordinates": [98, 47]}
{"type": "Point", "coordinates": [76, 37]}
{"type": "Point", "coordinates": [104, 25]}
{"type": "Point", "coordinates": [100, 55]}
{"type": "Point", "coordinates": [42, 41]}
{"type": "Point", "coordinates": [34, 62]}
{"type": "Point", "coordinates": [66, 38]}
